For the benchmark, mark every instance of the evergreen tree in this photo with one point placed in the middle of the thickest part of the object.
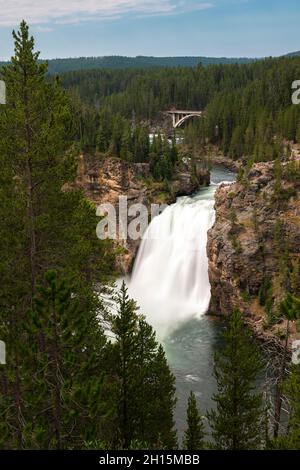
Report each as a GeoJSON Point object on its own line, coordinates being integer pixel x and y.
{"type": "Point", "coordinates": [124, 327]}
{"type": "Point", "coordinates": [101, 140]}
{"type": "Point", "coordinates": [146, 350]}
{"type": "Point", "coordinates": [194, 434]}
{"type": "Point", "coordinates": [146, 388]}
{"type": "Point", "coordinates": [155, 390]}
{"type": "Point", "coordinates": [116, 137]}
{"type": "Point", "coordinates": [249, 140]}
{"type": "Point", "coordinates": [45, 224]}
{"type": "Point", "coordinates": [236, 145]}
{"type": "Point", "coordinates": [141, 144]}
{"type": "Point", "coordinates": [126, 144]}
{"type": "Point", "coordinates": [292, 392]}
{"type": "Point", "coordinates": [295, 279]}
{"type": "Point", "coordinates": [64, 407]}
{"type": "Point", "coordinates": [290, 308]}
{"type": "Point", "coordinates": [163, 405]}
{"type": "Point", "coordinates": [174, 152]}
{"type": "Point", "coordinates": [291, 389]}
{"type": "Point", "coordinates": [237, 420]}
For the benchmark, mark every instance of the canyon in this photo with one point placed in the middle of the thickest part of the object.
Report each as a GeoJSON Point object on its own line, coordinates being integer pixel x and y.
{"type": "Point", "coordinates": [255, 217]}
{"type": "Point", "coordinates": [254, 247]}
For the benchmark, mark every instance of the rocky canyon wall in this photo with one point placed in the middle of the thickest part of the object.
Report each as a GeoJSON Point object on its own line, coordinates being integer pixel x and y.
{"type": "Point", "coordinates": [254, 246]}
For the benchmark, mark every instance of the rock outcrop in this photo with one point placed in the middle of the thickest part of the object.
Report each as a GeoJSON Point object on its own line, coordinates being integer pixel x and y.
{"type": "Point", "coordinates": [105, 179]}
{"type": "Point", "coordinates": [254, 246]}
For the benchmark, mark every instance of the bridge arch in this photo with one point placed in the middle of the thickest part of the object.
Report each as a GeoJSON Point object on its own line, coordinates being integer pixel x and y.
{"type": "Point", "coordinates": [186, 118]}
{"type": "Point", "coordinates": [179, 117]}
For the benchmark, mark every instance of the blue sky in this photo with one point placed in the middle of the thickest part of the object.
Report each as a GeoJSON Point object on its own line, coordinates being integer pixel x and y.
{"type": "Point", "coordinates": [231, 28]}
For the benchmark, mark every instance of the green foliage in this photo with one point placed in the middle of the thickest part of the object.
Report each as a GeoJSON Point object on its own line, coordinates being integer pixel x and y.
{"type": "Point", "coordinates": [66, 347]}
{"type": "Point", "coordinates": [163, 158]}
{"type": "Point", "coordinates": [246, 296]}
{"type": "Point", "coordinates": [291, 171]}
{"type": "Point", "coordinates": [45, 225]}
{"type": "Point", "coordinates": [290, 307]}
{"type": "Point", "coordinates": [237, 420]}
{"type": "Point", "coordinates": [265, 292]}
{"type": "Point", "coordinates": [146, 387]}
{"type": "Point", "coordinates": [194, 435]}
{"type": "Point", "coordinates": [295, 278]}
{"type": "Point", "coordinates": [244, 116]}
{"type": "Point", "coordinates": [123, 62]}
{"type": "Point", "coordinates": [266, 299]}
{"type": "Point", "coordinates": [291, 389]}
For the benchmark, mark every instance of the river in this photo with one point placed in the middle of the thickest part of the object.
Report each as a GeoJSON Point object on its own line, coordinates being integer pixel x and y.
{"type": "Point", "coordinates": [170, 283]}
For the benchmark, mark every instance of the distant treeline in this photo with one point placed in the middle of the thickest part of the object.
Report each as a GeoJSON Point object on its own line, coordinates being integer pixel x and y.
{"type": "Point", "coordinates": [58, 66]}
{"type": "Point", "coordinates": [248, 107]}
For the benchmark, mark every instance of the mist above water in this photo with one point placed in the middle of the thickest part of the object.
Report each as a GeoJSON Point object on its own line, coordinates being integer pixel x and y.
{"type": "Point", "coordinates": [170, 278]}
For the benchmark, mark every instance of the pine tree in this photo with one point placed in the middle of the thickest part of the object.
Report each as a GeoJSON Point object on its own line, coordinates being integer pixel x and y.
{"type": "Point", "coordinates": [45, 224]}
{"type": "Point", "coordinates": [295, 279]}
{"type": "Point", "coordinates": [146, 388]}
{"type": "Point", "coordinates": [116, 137]}
{"type": "Point", "coordinates": [32, 138]}
{"type": "Point", "coordinates": [249, 140]}
{"type": "Point", "coordinates": [64, 404]}
{"type": "Point", "coordinates": [102, 144]}
{"type": "Point", "coordinates": [146, 350]}
{"type": "Point", "coordinates": [124, 327]}
{"type": "Point", "coordinates": [236, 145]}
{"type": "Point", "coordinates": [174, 151]}
{"type": "Point", "coordinates": [163, 389]}
{"type": "Point", "coordinates": [194, 434]}
{"type": "Point", "coordinates": [237, 420]}
{"type": "Point", "coordinates": [290, 308]}
{"type": "Point", "coordinates": [154, 386]}
{"type": "Point", "coordinates": [141, 144]}
{"type": "Point", "coordinates": [126, 145]}
{"type": "Point", "coordinates": [291, 390]}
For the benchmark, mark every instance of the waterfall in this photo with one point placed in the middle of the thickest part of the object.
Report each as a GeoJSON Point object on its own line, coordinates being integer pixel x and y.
{"type": "Point", "coordinates": [170, 276]}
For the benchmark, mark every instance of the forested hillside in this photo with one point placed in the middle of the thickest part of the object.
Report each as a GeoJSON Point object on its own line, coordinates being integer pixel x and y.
{"type": "Point", "coordinates": [58, 66]}
{"type": "Point", "coordinates": [248, 107]}
{"type": "Point", "coordinates": [69, 64]}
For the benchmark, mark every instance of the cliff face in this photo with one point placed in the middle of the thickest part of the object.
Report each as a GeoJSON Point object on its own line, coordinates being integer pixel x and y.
{"type": "Point", "coordinates": [254, 245]}
{"type": "Point", "coordinates": [104, 180]}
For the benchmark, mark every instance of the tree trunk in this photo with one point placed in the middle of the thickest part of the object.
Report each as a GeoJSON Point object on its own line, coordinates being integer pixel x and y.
{"type": "Point", "coordinates": [30, 190]}
{"type": "Point", "coordinates": [278, 396]}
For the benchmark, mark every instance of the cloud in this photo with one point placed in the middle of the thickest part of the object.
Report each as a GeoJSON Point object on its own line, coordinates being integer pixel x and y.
{"type": "Point", "coordinates": [42, 29]}
{"type": "Point", "coordinates": [183, 6]}
{"type": "Point", "coordinates": [39, 12]}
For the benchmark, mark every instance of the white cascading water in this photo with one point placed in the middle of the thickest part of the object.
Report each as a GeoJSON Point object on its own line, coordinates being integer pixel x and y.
{"type": "Point", "coordinates": [170, 277]}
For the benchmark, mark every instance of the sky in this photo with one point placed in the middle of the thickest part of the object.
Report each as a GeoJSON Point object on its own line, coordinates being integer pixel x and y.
{"type": "Point", "coordinates": [215, 28]}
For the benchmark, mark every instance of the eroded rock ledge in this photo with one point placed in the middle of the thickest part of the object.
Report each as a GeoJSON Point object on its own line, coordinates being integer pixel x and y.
{"type": "Point", "coordinates": [254, 246]}
{"type": "Point", "coordinates": [105, 179]}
